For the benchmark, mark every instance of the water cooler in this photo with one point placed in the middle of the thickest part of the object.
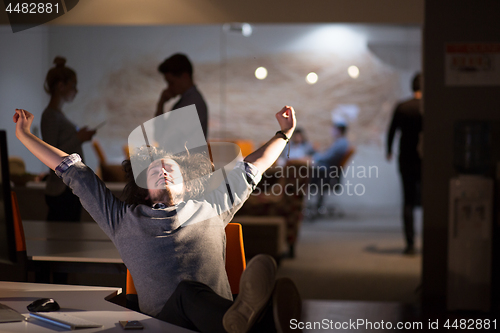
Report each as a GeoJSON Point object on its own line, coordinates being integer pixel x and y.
{"type": "Point", "coordinates": [470, 225]}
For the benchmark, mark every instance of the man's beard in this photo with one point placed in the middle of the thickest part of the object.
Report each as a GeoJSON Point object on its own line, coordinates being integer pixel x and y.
{"type": "Point", "coordinates": [164, 196]}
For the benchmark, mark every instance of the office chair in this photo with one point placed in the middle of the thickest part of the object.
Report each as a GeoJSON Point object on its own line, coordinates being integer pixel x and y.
{"type": "Point", "coordinates": [18, 272]}
{"type": "Point", "coordinates": [108, 172]}
{"type": "Point", "coordinates": [235, 256]}
{"type": "Point", "coordinates": [131, 299]}
{"type": "Point", "coordinates": [21, 271]}
{"type": "Point", "coordinates": [235, 265]}
{"type": "Point", "coordinates": [18, 225]}
{"type": "Point", "coordinates": [17, 169]}
{"type": "Point", "coordinates": [324, 209]}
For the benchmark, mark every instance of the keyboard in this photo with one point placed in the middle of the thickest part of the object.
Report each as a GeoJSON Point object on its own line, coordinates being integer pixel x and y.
{"type": "Point", "coordinates": [7, 314]}
{"type": "Point", "coordinates": [64, 320]}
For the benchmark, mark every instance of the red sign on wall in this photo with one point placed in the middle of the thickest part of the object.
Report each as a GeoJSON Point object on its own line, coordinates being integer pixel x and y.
{"type": "Point", "coordinates": [472, 64]}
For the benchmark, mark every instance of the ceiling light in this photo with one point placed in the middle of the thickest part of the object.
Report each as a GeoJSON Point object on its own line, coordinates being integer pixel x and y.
{"type": "Point", "coordinates": [353, 72]}
{"type": "Point", "coordinates": [244, 29]}
{"type": "Point", "coordinates": [261, 73]}
{"type": "Point", "coordinates": [312, 78]}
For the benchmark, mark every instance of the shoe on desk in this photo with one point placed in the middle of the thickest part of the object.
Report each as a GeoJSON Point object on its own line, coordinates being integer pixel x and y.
{"type": "Point", "coordinates": [256, 287]}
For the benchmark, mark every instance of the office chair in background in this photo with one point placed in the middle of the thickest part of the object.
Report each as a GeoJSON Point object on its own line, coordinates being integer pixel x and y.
{"type": "Point", "coordinates": [108, 172]}
{"type": "Point", "coordinates": [332, 209]}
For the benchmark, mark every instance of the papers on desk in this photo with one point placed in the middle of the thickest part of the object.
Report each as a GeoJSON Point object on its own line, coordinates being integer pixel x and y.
{"type": "Point", "coordinates": [64, 320]}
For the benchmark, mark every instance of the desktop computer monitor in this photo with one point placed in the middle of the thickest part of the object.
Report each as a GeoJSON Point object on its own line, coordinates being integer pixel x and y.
{"type": "Point", "coordinates": [7, 236]}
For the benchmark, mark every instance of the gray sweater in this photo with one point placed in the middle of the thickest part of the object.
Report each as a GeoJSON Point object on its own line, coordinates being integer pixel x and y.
{"type": "Point", "coordinates": [162, 247]}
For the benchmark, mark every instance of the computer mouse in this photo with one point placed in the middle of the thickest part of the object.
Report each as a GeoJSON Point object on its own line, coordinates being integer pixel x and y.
{"type": "Point", "coordinates": [43, 305]}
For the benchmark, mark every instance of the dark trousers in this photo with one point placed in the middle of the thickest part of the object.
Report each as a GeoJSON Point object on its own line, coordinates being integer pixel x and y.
{"type": "Point", "coordinates": [410, 175]}
{"type": "Point", "coordinates": [195, 306]}
{"type": "Point", "coordinates": [64, 207]}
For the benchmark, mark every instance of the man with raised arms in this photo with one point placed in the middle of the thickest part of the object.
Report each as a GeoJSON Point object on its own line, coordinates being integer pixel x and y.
{"type": "Point", "coordinates": [172, 238]}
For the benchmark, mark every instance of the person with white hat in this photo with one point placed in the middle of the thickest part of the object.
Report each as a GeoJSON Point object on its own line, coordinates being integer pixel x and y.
{"type": "Point", "coordinates": [327, 163]}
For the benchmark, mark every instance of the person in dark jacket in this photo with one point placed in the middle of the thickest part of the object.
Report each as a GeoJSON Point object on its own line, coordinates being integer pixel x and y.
{"type": "Point", "coordinates": [178, 73]}
{"type": "Point", "coordinates": [407, 119]}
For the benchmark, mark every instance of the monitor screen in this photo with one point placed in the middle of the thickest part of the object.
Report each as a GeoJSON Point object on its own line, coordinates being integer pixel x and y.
{"type": "Point", "coordinates": [7, 237]}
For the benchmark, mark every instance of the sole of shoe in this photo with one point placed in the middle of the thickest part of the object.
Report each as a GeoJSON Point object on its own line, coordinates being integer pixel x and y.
{"type": "Point", "coordinates": [256, 289]}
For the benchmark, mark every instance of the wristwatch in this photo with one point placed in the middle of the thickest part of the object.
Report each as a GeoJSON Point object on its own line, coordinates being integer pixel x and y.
{"type": "Point", "coordinates": [283, 135]}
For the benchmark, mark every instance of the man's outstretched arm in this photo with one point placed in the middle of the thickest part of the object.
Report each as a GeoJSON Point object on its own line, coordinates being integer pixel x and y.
{"type": "Point", "coordinates": [49, 155]}
{"type": "Point", "coordinates": [104, 208]}
{"type": "Point", "coordinates": [266, 155]}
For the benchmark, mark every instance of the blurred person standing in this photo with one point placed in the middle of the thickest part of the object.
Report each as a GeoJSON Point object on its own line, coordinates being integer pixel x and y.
{"type": "Point", "coordinates": [60, 132]}
{"type": "Point", "coordinates": [178, 73]}
{"type": "Point", "coordinates": [407, 119]}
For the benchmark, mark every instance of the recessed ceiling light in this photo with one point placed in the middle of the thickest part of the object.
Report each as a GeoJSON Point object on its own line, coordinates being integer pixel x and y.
{"type": "Point", "coordinates": [312, 78]}
{"type": "Point", "coordinates": [353, 72]}
{"type": "Point", "coordinates": [261, 73]}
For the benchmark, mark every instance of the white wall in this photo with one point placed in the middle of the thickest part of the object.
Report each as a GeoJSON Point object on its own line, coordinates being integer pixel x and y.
{"type": "Point", "coordinates": [23, 59]}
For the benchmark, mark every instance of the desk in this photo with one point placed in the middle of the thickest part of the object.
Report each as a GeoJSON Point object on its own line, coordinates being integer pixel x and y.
{"type": "Point", "coordinates": [74, 235]}
{"type": "Point", "coordinates": [69, 242]}
{"type": "Point", "coordinates": [63, 247]}
{"type": "Point", "coordinates": [32, 200]}
{"type": "Point", "coordinates": [80, 301]}
{"type": "Point", "coordinates": [88, 231]}
{"type": "Point", "coordinates": [90, 303]}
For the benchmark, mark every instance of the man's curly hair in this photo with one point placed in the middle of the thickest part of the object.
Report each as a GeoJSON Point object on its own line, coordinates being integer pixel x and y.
{"type": "Point", "coordinates": [195, 167]}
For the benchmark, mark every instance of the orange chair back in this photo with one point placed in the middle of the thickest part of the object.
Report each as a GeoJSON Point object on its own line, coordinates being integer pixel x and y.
{"type": "Point", "coordinates": [235, 259]}
{"type": "Point", "coordinates": [130, 284]}
{"type": "Point", "coordinates": [235, 256]}
{"type": "Point", "coordinates": [246, 147]}
{"type": "Point", "coordinates": [18, 224]}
